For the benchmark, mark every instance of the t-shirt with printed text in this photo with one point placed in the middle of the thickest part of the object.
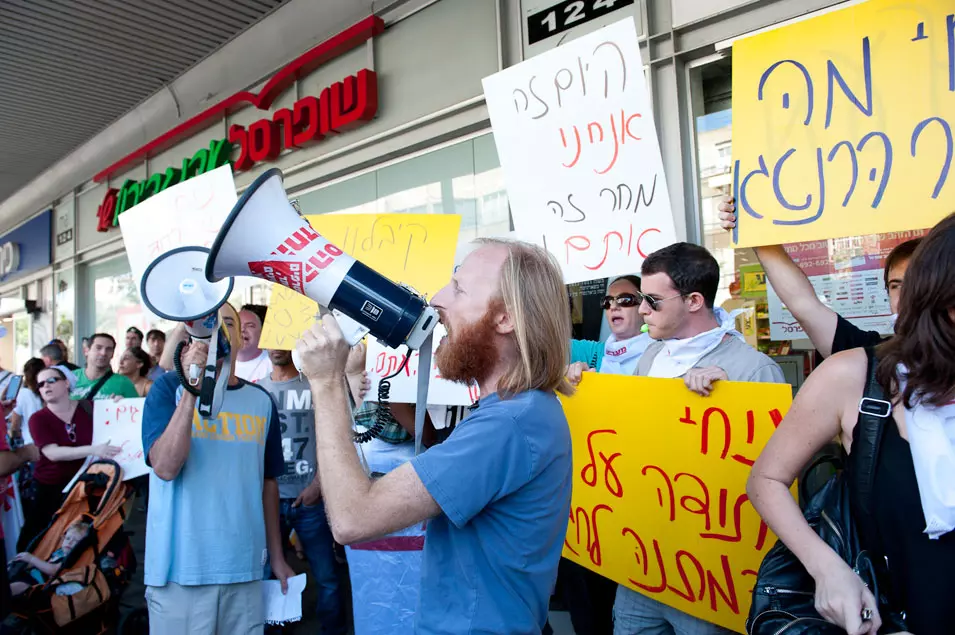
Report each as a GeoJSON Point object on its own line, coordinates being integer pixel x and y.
{"type": "Point", "coordinates": [207, 525]}
{"type": "Point", "coordinates": [294, 401]}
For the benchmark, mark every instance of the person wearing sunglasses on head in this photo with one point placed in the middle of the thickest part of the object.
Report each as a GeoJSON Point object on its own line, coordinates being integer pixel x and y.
{"type": "Point", "coordinates": [699, 344]}
{"type": "Point", "coordinates": [63, 431]}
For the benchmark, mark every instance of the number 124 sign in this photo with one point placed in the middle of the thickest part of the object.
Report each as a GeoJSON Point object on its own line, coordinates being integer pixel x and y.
{"type": "Point", "coordinates": [566, 15]}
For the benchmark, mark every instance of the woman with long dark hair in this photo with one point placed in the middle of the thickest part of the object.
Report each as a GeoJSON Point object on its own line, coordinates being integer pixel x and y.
{"type": "Point", "coordinates": [135, 364]}
{"type": "Point", "coordinates": [914, 484]}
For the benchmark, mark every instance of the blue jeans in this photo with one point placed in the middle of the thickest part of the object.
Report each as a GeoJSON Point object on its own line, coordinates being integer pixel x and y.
{"type": "Point", "coordinates": [311, 526]}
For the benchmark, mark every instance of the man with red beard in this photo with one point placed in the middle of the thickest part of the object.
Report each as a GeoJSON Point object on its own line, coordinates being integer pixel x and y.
{"type": "Point", "coordinates": [496, 493]}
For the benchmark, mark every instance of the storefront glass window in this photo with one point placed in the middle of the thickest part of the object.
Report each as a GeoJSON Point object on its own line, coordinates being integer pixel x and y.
{"type": "Point", "coordinates": [22, 344]}
{"type": "Point", "coordinates": [117, 304]}
{"type": "Point", "coordinates": [464, 178]}
{"type": "Point", "coordinates": [64, 323]}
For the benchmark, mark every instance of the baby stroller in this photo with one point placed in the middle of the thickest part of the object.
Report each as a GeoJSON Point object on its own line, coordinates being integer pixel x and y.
{"type": "Point", "coordinates": [83, 596]}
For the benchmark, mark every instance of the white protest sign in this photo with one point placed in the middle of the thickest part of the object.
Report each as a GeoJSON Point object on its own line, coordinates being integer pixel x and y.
{"type": "Point", "coordinates": [120, 423]}
{"type": "Point", "coordinates": [188, 214]}
{"type": "Point", "coordinates": [575, 135]}
{"type": "Point", "coordinates": [381, 361]}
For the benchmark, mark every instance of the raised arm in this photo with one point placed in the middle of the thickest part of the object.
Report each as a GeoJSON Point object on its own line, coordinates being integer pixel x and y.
{"type": "Point", "coordinates": [814, 419]}
{"type": "Point", "coordinates": [792, 286]}
{"type": "Point", "coordinates": [358, 507]}
{"type": "Point", "coordinates": [169, 452]}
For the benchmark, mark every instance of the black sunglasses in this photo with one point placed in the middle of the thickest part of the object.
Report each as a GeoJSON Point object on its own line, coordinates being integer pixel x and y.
{"type": "Point", "coordinates": [624, 301]}
{"type": "Point", "coordinates": [50, 380]}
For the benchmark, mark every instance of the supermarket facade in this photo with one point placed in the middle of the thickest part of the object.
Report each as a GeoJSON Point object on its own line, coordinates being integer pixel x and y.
{"type": "Point", "coordinates": [378, 113]}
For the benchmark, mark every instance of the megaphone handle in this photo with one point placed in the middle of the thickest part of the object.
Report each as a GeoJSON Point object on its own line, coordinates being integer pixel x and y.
{"type": "Point", "coordinates": [351, 329]}
{"type": "Point", "coordinates": [195, 372]}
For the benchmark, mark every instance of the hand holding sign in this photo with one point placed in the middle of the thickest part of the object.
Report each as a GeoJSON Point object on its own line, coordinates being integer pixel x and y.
{"type": "Point", "coordinates": [118, 434]}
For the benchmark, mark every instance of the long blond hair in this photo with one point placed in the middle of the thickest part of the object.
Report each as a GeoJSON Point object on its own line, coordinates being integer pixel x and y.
{"type": "Point", "coordinates": [533, 292]}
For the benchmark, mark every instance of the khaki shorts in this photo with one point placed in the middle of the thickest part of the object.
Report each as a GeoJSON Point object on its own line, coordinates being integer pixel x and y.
{"type": "Point", "coordinates": [212, 609]}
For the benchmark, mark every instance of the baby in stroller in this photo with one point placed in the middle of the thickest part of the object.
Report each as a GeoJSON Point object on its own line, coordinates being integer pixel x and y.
{"type": "Point", "coordinates": [39, 570]}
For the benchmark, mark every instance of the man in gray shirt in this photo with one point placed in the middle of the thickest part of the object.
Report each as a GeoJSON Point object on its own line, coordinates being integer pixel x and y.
{"type": "Point", "coordinates": [301, 505]}
{"type": "Point", "coordinates": [700, 345]}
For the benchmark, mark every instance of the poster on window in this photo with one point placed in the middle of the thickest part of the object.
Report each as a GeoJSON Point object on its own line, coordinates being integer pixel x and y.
{"type": "Point", "coordinates": [847, 275]}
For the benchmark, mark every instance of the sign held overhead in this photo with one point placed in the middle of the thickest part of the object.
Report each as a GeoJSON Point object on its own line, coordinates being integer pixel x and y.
{"type": "Point", "coordinates": [575, 136]}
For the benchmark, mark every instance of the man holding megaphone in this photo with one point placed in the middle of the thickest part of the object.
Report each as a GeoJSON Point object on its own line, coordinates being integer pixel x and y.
{"type": "Point", "coordinates": [496, 493]}
{"type": "Point", "coordinates": [213, 518]}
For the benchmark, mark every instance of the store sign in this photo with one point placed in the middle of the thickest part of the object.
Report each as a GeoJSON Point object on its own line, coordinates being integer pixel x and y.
{"type": "Point", "coordinates": [568, 14]}
{"type": "Point", "coordinates": [26, 248]}
{"type": "Point", "coordinates": [9, 258]}
{"type": "Point", "coordinates": [135, 192]}
{"type": "Point", "coordinates": [752, 281]}
{"type": "Point", "coordinates": [339, 107]}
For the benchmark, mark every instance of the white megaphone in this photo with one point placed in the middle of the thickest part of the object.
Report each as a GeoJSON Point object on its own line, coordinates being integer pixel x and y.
{"type": "Point", "coordinates": [174, 287]}
{"type": "Point", "coordinates": [266, 238]}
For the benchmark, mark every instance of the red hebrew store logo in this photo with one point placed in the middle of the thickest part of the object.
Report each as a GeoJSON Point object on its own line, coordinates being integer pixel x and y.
{"type": "Point", "coordinates": [338, 108]}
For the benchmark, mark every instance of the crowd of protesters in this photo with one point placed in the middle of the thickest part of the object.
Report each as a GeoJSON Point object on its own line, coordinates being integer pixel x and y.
{"type": "Point", "coordinates": [493, 495]}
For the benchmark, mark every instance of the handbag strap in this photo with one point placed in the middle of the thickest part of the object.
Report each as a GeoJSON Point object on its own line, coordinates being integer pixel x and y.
{"type": "Point", "coordinates": [99, 384]}
{"type": "Point", "coordinates": [875, 411]}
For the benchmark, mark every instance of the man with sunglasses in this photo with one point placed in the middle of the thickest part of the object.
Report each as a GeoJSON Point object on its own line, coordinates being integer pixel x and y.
{"type": "Point", "coordinates": [699, 344]}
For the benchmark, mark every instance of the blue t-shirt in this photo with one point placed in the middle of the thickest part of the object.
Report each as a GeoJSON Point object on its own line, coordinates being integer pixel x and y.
{"type": "Point", "coordinates": [502, 480]}
{"type": "Point", "coordinates": [207, 526]}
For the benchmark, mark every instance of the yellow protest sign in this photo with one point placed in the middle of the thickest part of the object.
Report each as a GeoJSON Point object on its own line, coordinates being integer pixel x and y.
{"type": "Point", "coordinates": [659, 498]}
{"type": "Point", "coordinates": [415, 249]}
{"type": "Point", "coordinates": [842, 124]}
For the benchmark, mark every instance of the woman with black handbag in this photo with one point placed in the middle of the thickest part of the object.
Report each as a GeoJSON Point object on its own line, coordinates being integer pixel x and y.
{"type": "Point", "coordinates": [909, 516]}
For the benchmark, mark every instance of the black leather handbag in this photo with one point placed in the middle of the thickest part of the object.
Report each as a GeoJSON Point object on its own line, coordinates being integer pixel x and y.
{"type": "Point", "coordinates": [784, 594]}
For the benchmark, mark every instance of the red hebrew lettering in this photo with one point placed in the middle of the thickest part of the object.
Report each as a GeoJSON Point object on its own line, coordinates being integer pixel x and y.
{"type": "Point", "coordinates": [729, 596]}
{"type": "Point", "coordinates": [106, 211]}
{"type": "Point", "coordinates": [660, 491]}
{"type": "Point", "coordinates": [642, 553]}
{"type": "Point", "coordinates": [265, 144]}
{"type": "Point", "coordinates": [640, 238]}
{"type": "Point", "coordinates": [607, 248]}
{"type": "Point", "coordinates": [563, 138]}
{"type": "Point", "coordinates": [593, 535]}
{"type": "Point", "coordinates": [240, 137]}
{"type": "Point", "coordinates": [704, 445]}
{"type": "Point", "coordinates": [574, 242]}
{"type": "Point", "coordinates": [626, 127]}
{"type": "Point", "coordinates": [615, 488]}
{"type": "Point", "coordinates": [354, 100]}
{"type": "Point", "coordinates": [687, 417]}
{"type": "Point", "coordinates": [687, 593]}
{"type": "Point", "coordinates": [306, 118]}
{"type": "Point", "coordinates": [702, 505]}
{"type": "Point", "coordinates": [616, 148]}
{"type": "Point", "coordinates": [283, 118]}
{"type": "Point", "coordinates": [288, 274]}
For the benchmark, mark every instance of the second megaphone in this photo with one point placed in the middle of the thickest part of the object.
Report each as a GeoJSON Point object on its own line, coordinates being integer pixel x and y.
{"type": "Point", "coordinates": [266, 238]}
